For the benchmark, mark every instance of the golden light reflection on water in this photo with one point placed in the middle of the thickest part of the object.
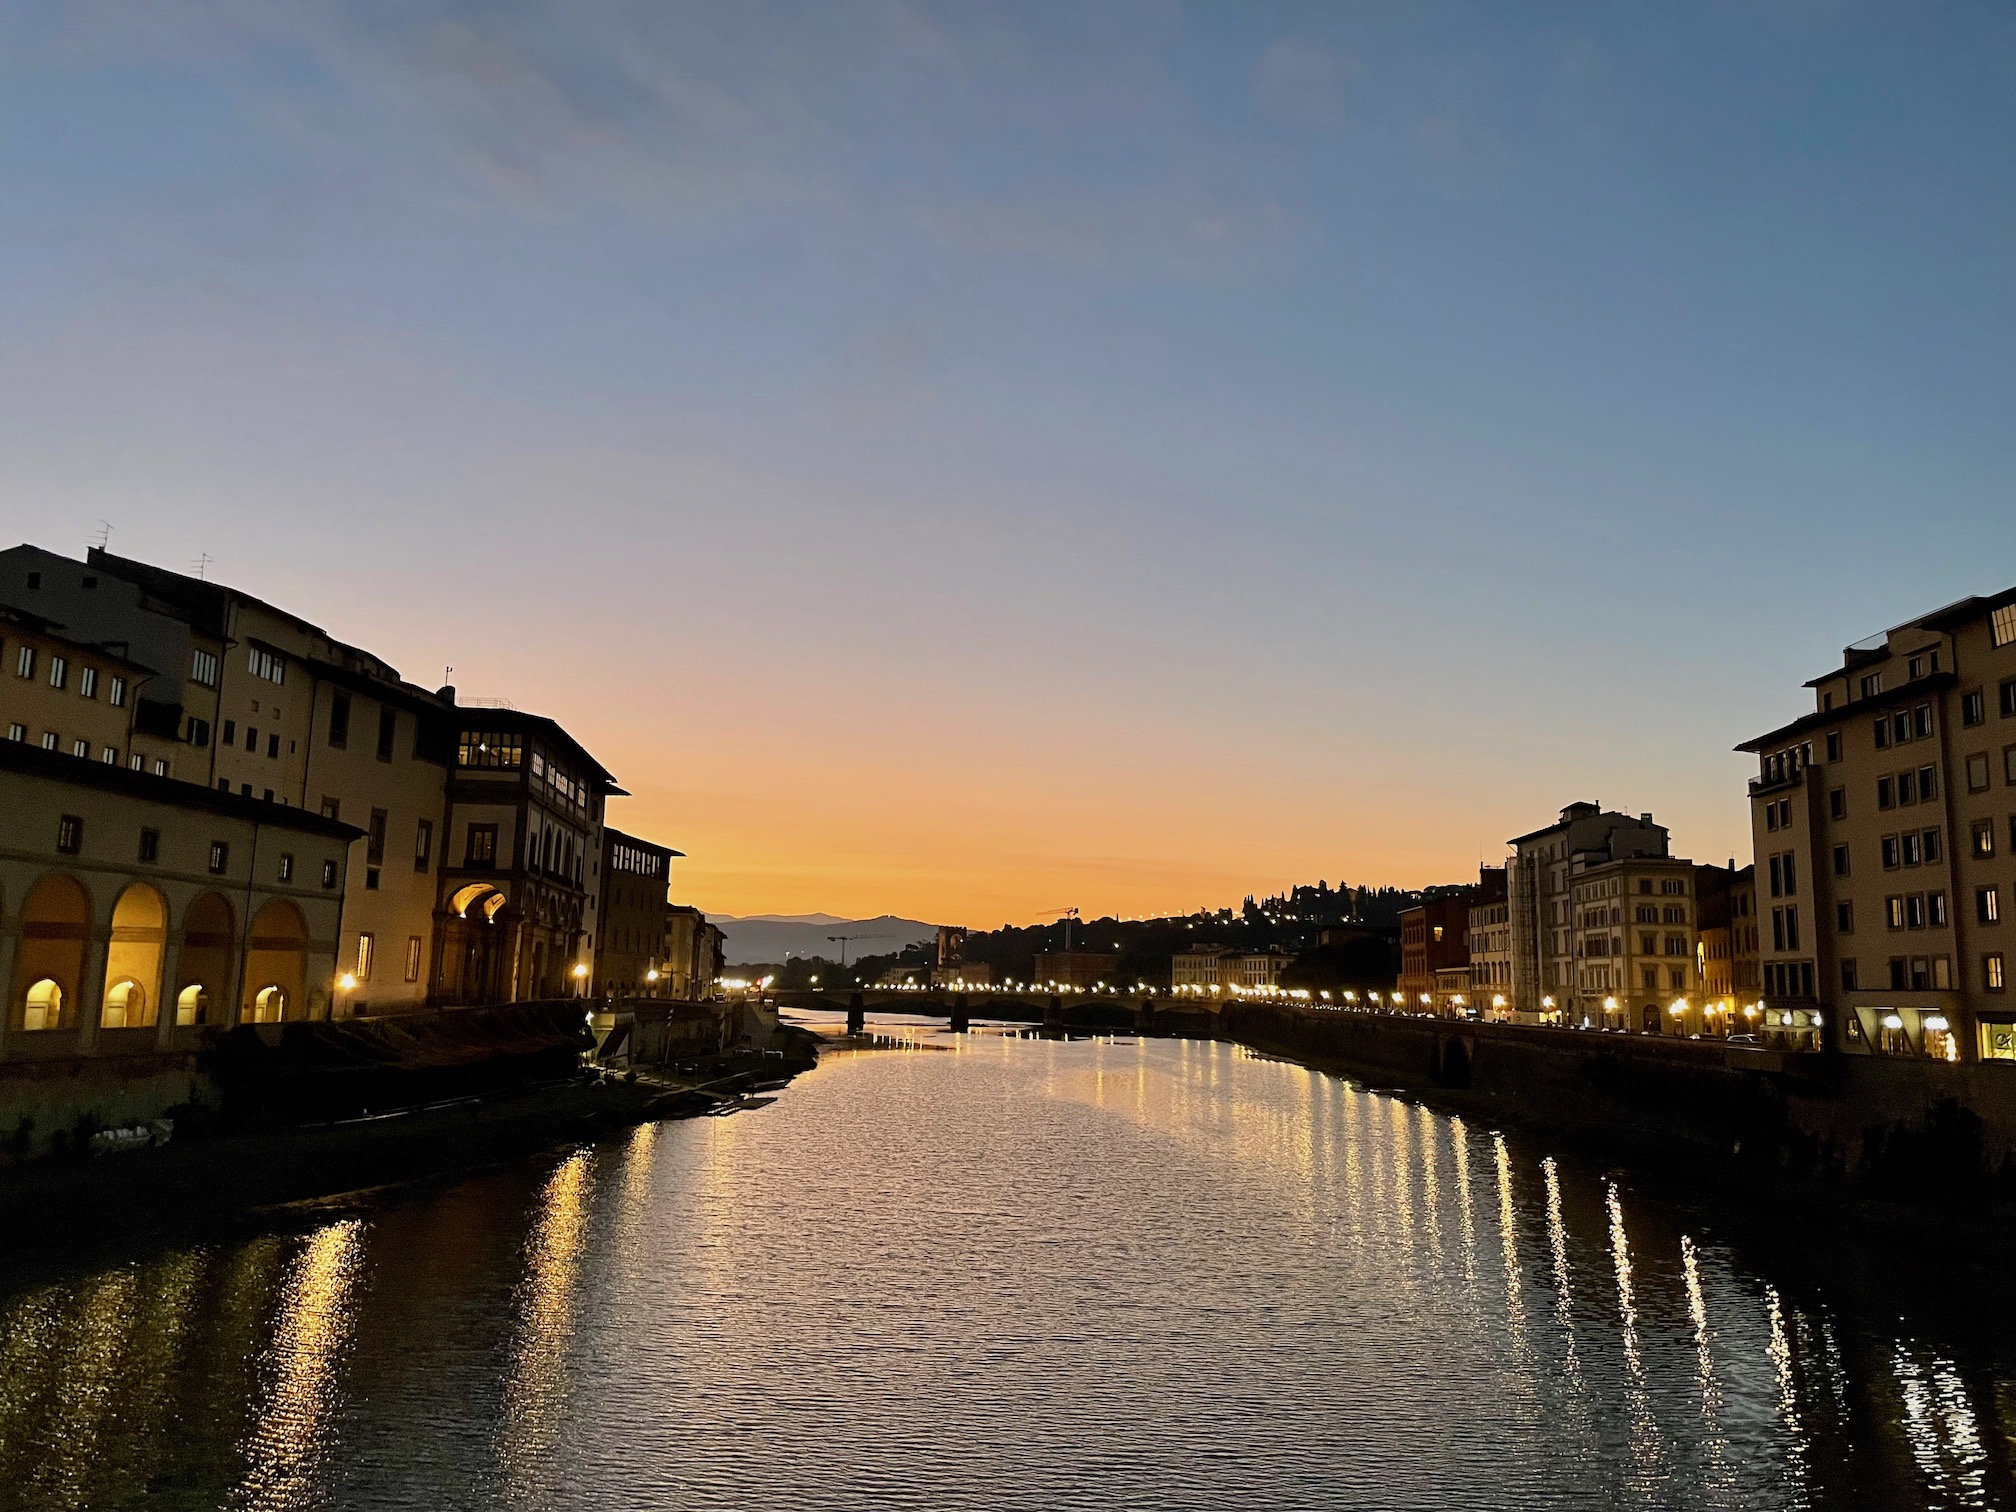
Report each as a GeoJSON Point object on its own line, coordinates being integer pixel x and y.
{"type": "Point", "coordinates": [289, 1439]}
{"type": "Point", "coordinates": [1508, 1246]}
{"type": "Point", "coordinates": [534, 1389]}
{"type": "Point", "coordinates": [1714, 1445]}
{"type": "Point", "coordinates": [1557, 1245]}
{"type": "Point", "coordinates": [1779, 1351]}
{"type": "Point", "coordinates": [1941, 1428]}
{"type": "Point", "coordinates": [1644, 1428]}
{"type": "Point", "coordinates": [1459, 1141]}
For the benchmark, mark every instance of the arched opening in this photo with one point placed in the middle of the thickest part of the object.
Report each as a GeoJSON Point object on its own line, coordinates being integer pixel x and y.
{"type": "Point", "coordinates": [49, 967]}
{"type": "Point", "coordinates": [473, 950]}
{"type": "Point", "coordinates": [192, 1004]}
{"type": "Point", "coordinates": [44, 1006]}
{"type": "Point", "coordinates": [1455, 1064]}
{"type": "Point", "coordinates": [133, 959]}
{"type": "Point", "coordinates": [203, 969]}
{"type": "Point", "coordinates": [276, 962]}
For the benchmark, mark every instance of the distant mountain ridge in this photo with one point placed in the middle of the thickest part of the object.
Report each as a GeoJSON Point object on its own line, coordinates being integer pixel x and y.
{"type": "Point", "coordinates": [777, 937]}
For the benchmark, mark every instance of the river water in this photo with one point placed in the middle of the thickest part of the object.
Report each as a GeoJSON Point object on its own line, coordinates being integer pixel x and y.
{"type": "Point", "coordinates": [994, 1271]}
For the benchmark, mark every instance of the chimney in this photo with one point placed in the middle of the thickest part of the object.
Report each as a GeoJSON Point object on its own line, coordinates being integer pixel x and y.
{"type": "Point", "coordinates": [446, 693]}
{"type": "Point", "coordinates": [1644, 818]}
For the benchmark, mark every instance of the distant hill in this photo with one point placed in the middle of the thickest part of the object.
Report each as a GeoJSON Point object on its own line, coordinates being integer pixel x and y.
{"type": "Point", "coordinates": [776, 937]}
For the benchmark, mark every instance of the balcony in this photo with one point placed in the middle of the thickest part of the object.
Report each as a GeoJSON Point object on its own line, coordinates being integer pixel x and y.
{"type": "Point", "coordinates": [1794, 776]}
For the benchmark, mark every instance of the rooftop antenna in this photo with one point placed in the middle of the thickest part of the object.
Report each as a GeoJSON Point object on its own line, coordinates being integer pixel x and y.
{"type": "Point", "coordinates": [201, 565]}
{"type": "Point", "coordinates": [104, 541]}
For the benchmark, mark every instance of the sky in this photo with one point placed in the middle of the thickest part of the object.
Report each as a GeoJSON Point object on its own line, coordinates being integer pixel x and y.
{"type": "Point", "coordinates": [971, 461]}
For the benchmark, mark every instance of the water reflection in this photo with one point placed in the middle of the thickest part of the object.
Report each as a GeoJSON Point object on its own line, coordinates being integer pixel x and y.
{"type": "Point", "coordinates": [291, 1421]}
{"type": "Point", "coordinates": [1008, 1271]}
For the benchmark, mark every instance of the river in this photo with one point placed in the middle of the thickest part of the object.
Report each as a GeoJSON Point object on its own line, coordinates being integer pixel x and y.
{"type": "Point", "coordinates": [992, 1271]}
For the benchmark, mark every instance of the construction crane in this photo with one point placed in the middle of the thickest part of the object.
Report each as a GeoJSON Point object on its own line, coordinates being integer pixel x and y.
{"type": "Point", "coordinates": [1064, 917]}
{"type": "Point", "coordinates": [842, 942]}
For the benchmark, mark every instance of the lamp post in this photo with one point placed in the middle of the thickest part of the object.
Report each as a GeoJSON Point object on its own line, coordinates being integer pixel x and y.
{"type": "Point", "coordinates": [580, 979]}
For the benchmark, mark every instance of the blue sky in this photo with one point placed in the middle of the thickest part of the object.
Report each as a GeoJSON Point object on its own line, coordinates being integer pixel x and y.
{"type": "Point", "coordinates": [949, 454]}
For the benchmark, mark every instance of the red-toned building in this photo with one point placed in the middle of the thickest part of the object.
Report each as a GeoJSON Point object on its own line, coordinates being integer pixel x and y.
{"type": "Point", "coordinates": [1435, 944]}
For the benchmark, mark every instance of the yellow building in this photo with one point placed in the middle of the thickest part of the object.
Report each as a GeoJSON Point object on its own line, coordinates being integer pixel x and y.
{"type": "Point", "coordinates": [1884, 822]}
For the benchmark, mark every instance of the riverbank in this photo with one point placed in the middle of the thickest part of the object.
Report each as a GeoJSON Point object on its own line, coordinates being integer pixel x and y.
{"type": "Point", "coordinates": [1910, 1165]}
{"type": "Point", "coordinates": [76, 1200]}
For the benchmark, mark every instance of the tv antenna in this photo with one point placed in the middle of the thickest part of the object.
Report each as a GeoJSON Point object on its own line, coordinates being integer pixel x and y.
{"type": "Point", "coordinates": [104, 541]}
{"type": "Point", "coordinates": [201, 565]}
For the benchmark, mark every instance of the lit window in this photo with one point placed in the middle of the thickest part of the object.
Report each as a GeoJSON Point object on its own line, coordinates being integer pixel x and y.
{"type": "Point", "coordinates": [365, 947]}
{"type": "Point", "coordinates": [220, 857]}
{"type": "Point", "coordinates": [87, 682]}
{"type": "Point", "coordinates": [203, 668]}
{"type": "Point", "coordinates": [2002, 625]}
{"type": "Point", "coordinates": [116, 694]}
{"type": "Point", "coordinates": [59, 671]}
{"type": "Point", "coordinates": [24, 662]}
{"type": "Point", "coordinates": [265, 664]}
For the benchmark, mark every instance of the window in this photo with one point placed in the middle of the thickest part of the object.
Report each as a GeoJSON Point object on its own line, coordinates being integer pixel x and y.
{"type": "Point", "coordinates": [423, 845]}
{"type": "Point", "coordinates": [1912, 852]}
{"type": "Point", "coordinates": [1931, 839]}
{"type": "Point", "coordinates": [2002, 625]}
{"type": "Point", "coordinates": [413, 947]}
{"type": "Point", "coordinates": [332, 808]}
{"type": "Point", "coordinates": [1992, 976]}
{"type": "Point", "coordinates": [59, 671]}
{"type": "Point", "coordinates": [1914, 668]}
{"type": "Point", "coordinates": [1882, 733]}
{"type": "Point", "coordinates": [87, 682]}
{"type": "Point", "coordinates": [1673, 886]}
{"type": "Point", "coordinates": [1849, 975]}
{"type": "Point", "coordinates": [1892, 857]}
{"type": "Point", "coordinates": [1907, 788]}
{"type": "Point", "coordinates": [1840, 860]}
{"type": "Point", "coordinates": [1886, 793]}
{"type": "Point", "coordinates": [374, 846]}
{"type": "Point", "coordinates": [1844, 918]}
{"type": "Point", "coordinates": [50, 739]}
{"type": "Point", "coordinates": [1676, 945]}
{"type": "Point", "coordinates": [1977, 772]}
{"type": "Point", "coordinates": [272, 747]}
{"type": "Point", "coordinates": [252, 740]}
{"type": "Point", "coordinates": [1973, 708]}
{"type": "Point", "coordinates": [328, 873]}
{"type": "Point", "coordinates": [339, 720]}
{"type": "Point", "coordinates": [2009, 766]}
{"type": "Point", "coordinates": [268, 665]}
{"type": "Point", "coordinates": [1942, 973]}
{"type": "Point", "coordinates": [366, 946]}
{"type": "Point", "coordinates": [1928, 784]}
{"type": "Point", "coordinates": [199, 732]}
{"type": "Point", "coordinates": [220, 856]}
{"type": "Point", "coordinates": [2008, 696]}
{"type": "Point", "coordinates": [1914, 911]}
{"type": "Point", "coordinates": [230, 733]}
{"type": "Point", "coordinates": [109, 756]}
{"type": "Point", "coordinates": [488, 749]}
{"type": "Point", "coordinates": [24, 662]}
{"type": "Point", "coordinates": [1651, 978]}
{"type": "Point", "coordinates": [69, 834]}
{"type": "Point", "coordinates": [80, 749]}
{"type": "Point", "coordinates": [1837, 803]}
{"type": "Point", "coordinates": [1988, 905]}
{"type": "Point", "coordinates": [1893, 912]}
{"type": "Point", "coordinates": [1897, 973]}
{"type": "Point", "coordinates": [1833, 744]}
{"type": "Point", "coordinates": [1983, 842]}
{"type": "Point", "coordinates": [371, 875]}
{"type": "Point", "coordinates": [388, 727]}
{"type": "Point", "coordinates": [17, 732]}
{"type": "Point", "coordinates": [1935, 905]}
{"type": "Point", "coordinates": [1872, 684]}
{"type": "Point", "coordinates": [1921, 721]}
{"type": "Point", "coordinates": [482, 850]}
{"type": "Point", "coordinates": [1676, 915]}
{"type": "Point", "coordinates": [115, 695]}
{"type": "Point", "coordinates": [160, 769]}
{"type": "Point", "coordinates": [150, 845]}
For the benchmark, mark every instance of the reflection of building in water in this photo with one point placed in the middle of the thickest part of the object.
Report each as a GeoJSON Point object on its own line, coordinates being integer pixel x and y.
{"type": "Point", "coordinates": [535, 1388]}
{"type": "Point", "coordinates": [290, 1424]}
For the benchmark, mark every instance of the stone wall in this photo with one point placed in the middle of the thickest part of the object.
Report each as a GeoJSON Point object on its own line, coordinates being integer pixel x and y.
{"type": "Point", "coordinates": [1903, 1127]}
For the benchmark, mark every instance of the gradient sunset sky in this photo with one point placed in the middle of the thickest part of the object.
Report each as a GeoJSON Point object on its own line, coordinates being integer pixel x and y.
{"type": "Point", "coordinates": [969, 460]}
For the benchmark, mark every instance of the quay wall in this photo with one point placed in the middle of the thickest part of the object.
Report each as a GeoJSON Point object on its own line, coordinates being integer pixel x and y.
{"type": "Point", "coordinates": [1894, 1126]}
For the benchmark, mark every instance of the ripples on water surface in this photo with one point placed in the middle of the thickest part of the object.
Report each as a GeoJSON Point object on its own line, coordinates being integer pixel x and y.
{"type": "Point", "coordinates": [990, 1271]}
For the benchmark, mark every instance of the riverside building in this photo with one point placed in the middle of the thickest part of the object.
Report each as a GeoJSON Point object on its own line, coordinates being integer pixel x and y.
{"type": "Point", "coordinates": [1551, 964]}
{"type": "Point", "coordinates": [1884, 822]}
{"type": "Point", "coordinates": [630, 953]}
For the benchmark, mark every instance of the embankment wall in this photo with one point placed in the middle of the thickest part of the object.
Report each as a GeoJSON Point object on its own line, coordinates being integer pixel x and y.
{"type": "Point", "coordinates": [1909, 1127]}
